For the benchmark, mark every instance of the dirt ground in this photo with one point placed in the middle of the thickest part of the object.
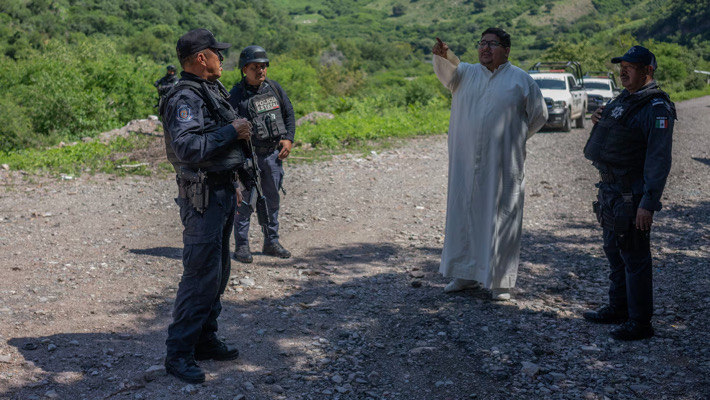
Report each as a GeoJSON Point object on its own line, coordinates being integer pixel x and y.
{"type": "Point", "coordinates": [89, 267]}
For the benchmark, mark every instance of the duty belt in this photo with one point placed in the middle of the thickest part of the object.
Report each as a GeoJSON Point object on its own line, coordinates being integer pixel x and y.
{"type": "Point", "coordinates": [261, 150]}
{"type": "Point", "coordinates": [210, 178]}
{"type": "Point", "coordinates": [624, 180]}
{"type": "Point", "coordinates": [221, 178]}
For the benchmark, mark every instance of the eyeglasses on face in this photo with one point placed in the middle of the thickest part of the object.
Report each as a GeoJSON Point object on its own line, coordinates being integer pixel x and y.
{"type": "Point", "coordinates": [218, 54]}
{"type": "Point", "coordinates": [257, 66]}
{"type": "Point", "coordinates": [490, 43]}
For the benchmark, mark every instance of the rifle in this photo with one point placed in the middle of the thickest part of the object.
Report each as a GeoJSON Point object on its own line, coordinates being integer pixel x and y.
{"type": "Point", "coordinates": [250, 175]}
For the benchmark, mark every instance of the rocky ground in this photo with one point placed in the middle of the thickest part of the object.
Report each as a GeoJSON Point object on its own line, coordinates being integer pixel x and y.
{"type": "Point", "coordinates": [90, 266]}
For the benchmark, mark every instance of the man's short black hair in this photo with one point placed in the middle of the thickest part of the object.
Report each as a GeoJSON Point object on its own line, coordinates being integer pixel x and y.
{"type": "Point", "coordinates": [502, 35]}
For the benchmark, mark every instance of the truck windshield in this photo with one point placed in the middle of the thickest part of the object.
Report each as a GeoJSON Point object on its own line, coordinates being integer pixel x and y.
{"type": "Point", "coordinates": [597, 85]}
{"type": "Point", "coordinates": [551, 84]}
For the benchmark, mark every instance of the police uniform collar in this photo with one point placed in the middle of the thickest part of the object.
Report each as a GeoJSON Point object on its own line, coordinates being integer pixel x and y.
{"type": "Point", "coordinates": [192, 77]}
{"type": "Point", "coordinates": [648, 86]}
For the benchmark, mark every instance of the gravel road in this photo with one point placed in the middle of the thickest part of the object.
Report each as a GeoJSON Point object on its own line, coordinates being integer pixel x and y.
{"type": "Point", "coordinates": [90, 266]}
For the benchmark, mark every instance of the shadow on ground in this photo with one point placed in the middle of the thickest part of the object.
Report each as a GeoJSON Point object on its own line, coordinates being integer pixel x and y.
{"type": "Point", "coordinates": [385, 338]}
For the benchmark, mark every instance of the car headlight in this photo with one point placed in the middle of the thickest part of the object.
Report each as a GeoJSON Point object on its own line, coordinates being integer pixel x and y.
{"type": "Point", "coordinates": [559, 104]}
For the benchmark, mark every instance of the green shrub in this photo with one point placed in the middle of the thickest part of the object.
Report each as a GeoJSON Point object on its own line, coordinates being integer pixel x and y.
{"type": "Point", "coordinates": [366, 120]}
{"type": "Point", "coordinates": [93, 156]}
{"type": "Point", "coordinates": [69, 91]}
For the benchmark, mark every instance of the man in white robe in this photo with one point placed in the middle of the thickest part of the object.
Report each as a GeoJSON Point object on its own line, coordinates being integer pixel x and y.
{"type": "Point", "coordinates": [495, 108]}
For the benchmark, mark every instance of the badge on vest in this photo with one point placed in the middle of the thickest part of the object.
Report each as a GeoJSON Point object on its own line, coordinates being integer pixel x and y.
{"type": "Point", "coordinates": [184, 113]}
{"type": "Point", "coordinates": [661, 122]}
{"type": "Point", "coordinates": [266, 104]}
{"type": "Point", "coordinates": [616, 113]}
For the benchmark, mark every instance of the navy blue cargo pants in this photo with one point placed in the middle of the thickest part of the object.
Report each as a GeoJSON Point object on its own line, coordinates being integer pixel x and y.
{"type": "Point", "coordinates": [272, 174]}
{"type": "Point", "coordinates": [206, 268]}
{"type": "Point", "coordinates": [631, 271]}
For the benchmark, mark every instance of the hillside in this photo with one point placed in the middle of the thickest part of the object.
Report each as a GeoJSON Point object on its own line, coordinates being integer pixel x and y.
{"type": "Point", "coordinates": [339, 56]}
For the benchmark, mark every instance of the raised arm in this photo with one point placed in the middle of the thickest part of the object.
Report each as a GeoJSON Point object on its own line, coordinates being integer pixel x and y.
{"type": "Point", "coordinates": [445, 64]}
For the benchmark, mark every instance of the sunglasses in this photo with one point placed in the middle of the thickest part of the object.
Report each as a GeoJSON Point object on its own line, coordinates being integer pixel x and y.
{"type": "Point", "coordinates": [218, 54]}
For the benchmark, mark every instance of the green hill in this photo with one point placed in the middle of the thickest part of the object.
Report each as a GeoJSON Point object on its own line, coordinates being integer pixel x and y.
{"type": "Point", "coordinates": [73, 68]}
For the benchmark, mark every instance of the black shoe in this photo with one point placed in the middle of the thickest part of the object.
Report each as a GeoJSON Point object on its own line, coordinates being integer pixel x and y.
{"type": "Point", "coordinates": [275, 249]}
{"type": "Point", "coordinates": [243, 254]}
{"type": "Point", "coordinates": [632, 330]}
{"type": "Point", "coordinates": [184, 368]}
{"type": "Point", "coordinates": [607, 315]}
{"type": "Point", "coordinates": [215, 350]}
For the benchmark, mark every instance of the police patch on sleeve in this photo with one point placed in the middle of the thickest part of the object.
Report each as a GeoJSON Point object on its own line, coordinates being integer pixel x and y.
{"type": "Point", "coordinates": [661, 122]}
{"type": "Point", "coordinates": [184, 113]}
{"type": "Point", "coordinates": [656, 102]}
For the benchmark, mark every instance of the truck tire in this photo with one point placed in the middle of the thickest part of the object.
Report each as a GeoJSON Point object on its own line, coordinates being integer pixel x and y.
{"type": "Point", "coordinates": [567, 122]}
{"type": "Point", "coordinates": [579, 122]}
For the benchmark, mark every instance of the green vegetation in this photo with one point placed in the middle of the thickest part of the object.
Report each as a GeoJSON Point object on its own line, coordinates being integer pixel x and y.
{"type": "Point", "coordinates": [92, 156]}
{"type": "Point", "coordinates": [75, 68]}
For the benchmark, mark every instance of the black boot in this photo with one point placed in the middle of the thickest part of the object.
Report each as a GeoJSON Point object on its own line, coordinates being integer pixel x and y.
{"type": "Point", "coordinates": [184, 368]}
{"type": "Point", "coordinates": [275, 249]}
{"type": "Point", "coordinates": [215, 350]}
{"type": "Point", "coordinates": [632, 330]}
{"type": "Point", "coordinates": [607, 315]}
{"type": "Point", "coordinates": [243, 254]}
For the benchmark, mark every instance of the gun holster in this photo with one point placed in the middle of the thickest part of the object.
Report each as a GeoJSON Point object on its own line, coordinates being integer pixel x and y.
{"type": "Point", "coordinates": [193, 187]}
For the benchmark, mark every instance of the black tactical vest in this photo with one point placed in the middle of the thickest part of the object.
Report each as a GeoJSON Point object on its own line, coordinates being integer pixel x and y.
{"type": "Point", "coordinates": [613, 142]}
{"type": "Point", "coordinates": [221, 111]}
{"type": "Point", "coordinates": [265, 110]}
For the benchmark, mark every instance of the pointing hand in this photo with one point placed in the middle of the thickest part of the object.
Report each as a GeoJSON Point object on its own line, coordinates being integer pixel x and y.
{"type": "Point", "coordinates": [440, 48]}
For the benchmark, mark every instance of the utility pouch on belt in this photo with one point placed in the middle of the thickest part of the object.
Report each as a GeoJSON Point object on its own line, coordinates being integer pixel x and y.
{"type": "Point", "coordinates": [194, 188]}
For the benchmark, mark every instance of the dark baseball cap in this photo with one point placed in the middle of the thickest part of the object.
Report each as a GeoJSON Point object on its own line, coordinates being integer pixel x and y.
{"type": "Point", "coordinates": [639, 55]}
{"type": "Point", "coordinates": [198, 40]}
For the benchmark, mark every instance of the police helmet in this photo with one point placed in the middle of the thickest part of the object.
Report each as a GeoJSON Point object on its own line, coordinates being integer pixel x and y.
{"type": "Point", "coordinates": [171, 68]}
{"type": "Point", "coordinates": [253, 54]}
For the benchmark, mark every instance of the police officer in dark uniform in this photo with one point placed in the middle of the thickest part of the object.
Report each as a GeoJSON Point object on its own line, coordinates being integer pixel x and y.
{"type": "Point", "coordinates": [630, 145]}
{"type": "Point", "coordinates": [204, 139]}
{"type": "Point", "coordinates": [167, 82]}
{"type": "Point", "coordinates": [269, 110]}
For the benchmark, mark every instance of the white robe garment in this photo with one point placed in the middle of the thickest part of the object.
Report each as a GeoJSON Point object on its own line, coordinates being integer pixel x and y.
{"type": "Point", "coordinates": [492, 116]}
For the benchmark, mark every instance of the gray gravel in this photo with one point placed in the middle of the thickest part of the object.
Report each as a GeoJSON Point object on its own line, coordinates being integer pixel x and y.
{"type": "Point", "coordinates": [90, 266]}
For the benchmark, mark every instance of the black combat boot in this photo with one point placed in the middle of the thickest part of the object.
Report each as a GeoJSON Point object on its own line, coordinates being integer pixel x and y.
{"type": "Point", "coordinates": [216, 350]}
{"type": "Point", "coordinates": [632, 330]}
{"type": "Point", "coordinates": [607, 315]}
{"type": "Point", "coordinates": [276, 250]}
{"type": "Point", "coordinates": [184, 368]}
{"type": "Point", "coordinates": [243, 254]}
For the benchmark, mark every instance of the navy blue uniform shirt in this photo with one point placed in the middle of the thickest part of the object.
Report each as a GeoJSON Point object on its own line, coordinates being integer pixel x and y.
{"type": "Point", "coordinates": [242, 92]}
{"type": "Point", "coordinates": [196, 135]}
{"type": "Point", "coordinates": [656, 120]}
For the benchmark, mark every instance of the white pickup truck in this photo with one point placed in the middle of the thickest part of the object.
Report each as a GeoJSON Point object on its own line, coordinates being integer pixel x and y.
{"type": "Point", "coordinates": [564, 94]}
{"type": "Point", "coordinates": [601, 88]}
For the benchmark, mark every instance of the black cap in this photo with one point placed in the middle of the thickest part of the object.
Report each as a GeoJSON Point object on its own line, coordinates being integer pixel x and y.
{"type": "Point", "coordinates": [198, 40]}
{"type": "Point", "coordinates": [639, 55]}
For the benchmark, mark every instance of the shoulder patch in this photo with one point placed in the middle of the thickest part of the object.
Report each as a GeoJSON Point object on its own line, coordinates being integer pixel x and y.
{"type": "Point", "coordinates": [661, 122]}
{"type": "Point", "coordinates": [184, 113]}
{"type": "Point", "coordinates": [656, 102]}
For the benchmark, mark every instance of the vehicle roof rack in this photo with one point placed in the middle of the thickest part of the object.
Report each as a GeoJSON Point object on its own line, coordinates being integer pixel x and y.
{"type": "Point", "coordinates": [573, 67]}
{"type": "Point", "coordinates": [600, 74]}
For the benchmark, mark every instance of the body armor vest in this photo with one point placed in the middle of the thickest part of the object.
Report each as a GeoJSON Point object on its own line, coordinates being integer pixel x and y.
{"type": "Point", "coordinates": [223, 114]}
{"type": "Point", "coordinates": [613, 142]}
{"type": "Point", "coordinates": [265, 110]}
